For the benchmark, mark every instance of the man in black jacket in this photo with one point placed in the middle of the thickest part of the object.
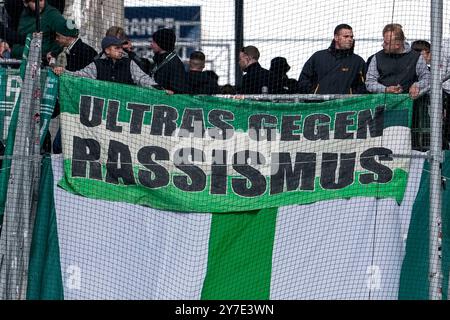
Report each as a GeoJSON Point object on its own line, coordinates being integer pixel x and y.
{"type": "Point", "coordinates": [200, 82]}
{"type": "Point", "coordinates": [336, 70]}
{"type": "Point", "coordinates": [75, 54]}
{"type": "Point", "coordinates": [256, 78]}
{"type": "Point", "coordinates": [168, 71]}
{"type": "Point", "coordinates": [279, 82]}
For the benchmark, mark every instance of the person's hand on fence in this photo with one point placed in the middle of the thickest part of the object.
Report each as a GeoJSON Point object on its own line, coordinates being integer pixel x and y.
{"type": "Point", "coordinates": [5, 50]}
{"type": "Point", "coordinates": [394, 89]}
{"type": "Point", "coordinates": [58, 70]}
{"type": "Point", "coordinates": [169, 92]}
{"type": "Point", "coordinates": [414, 91]}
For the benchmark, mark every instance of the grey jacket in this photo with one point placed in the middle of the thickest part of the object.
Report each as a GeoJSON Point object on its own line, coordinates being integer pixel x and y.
{"type": "Point", "coordinates": [139, 77]}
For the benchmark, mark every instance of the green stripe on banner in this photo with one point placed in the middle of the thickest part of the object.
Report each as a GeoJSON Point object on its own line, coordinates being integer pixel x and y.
{"type": "Point", "coordinates": [413, 277]}
{"type": "Point", "coordinates": [414, 284]}
{"type": "Point", "coordinates": [203, 201]}
{"type": "Point", "coordinates": [393, 118]}
{"type": "Point", "coordinates": [44, 277]}
{"type": "Point", "coordinates": [240, 256]}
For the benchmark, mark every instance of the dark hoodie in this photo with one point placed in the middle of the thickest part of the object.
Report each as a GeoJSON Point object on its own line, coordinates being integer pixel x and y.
{"type": "Point", "coordinates": [14, 9]}
{"type": "Point", "coordinates": [172, 75]}
{"type": "Point", "coordinates": [333, 71]}
{"type": "Point", "coordinates": [202, 83]}
{"type": "Point", "coordinates": [279, 82]}
{"type": "Point", "coordinates": [50, 18]}
{"type": "Point", "coordinates": [255, 78]}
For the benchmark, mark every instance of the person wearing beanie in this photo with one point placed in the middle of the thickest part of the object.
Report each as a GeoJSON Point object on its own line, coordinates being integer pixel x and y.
{"type": "Point", "coordinates": [165, 38]}
{"type": "Point", "coordinates": [113, 66]}
{"type": "Point", "coordinates": [50, 18]}
{"type": "Point", "coordinates": [168, 70]}
{"type": "Point", "coordinates": [336, 70]}
{"type": "Point", "coordinates": [279, 82]}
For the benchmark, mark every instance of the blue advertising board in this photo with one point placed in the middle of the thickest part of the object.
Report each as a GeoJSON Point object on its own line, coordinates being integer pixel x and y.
{"type": "Point", "coordinates": [142, 22]}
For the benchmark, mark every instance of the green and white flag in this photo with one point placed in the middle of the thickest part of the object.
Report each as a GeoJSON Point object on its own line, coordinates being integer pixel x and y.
{"type": "Point", "coordinates": [10, 95]}
{"type": "Point", "coordinates": [10, 83]}
{"type": "Point", "coordinates": [95, 239]}
{"type": "Point", "coordinates": [360, 248]}
{"type": "Point", "coordinates": [207, 154]}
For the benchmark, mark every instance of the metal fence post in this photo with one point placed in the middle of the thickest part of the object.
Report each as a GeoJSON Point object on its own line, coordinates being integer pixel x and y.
{"type": "Point", "coordinates": [435, 272]}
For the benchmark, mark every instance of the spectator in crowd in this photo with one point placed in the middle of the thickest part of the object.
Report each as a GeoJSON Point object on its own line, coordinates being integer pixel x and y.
{"type": "Point", "coordinates": [227, 89]}
{"type": "Point", "coordinates": [213, 75]}
{"type": "Point", "coordinates": [397, 68]}
{"type": "Point", "coordinates": [279, 82]}
{"type": "Point", "coordinates": [168, 70]}
{"type": "Point", "coordinates": [119, 32]}
{"type": "Point", "coordinates": [201, 82]}
{"type": "Point", "coordinates": [336, 70]}
{"type": "Point", "coordinates": [113, 67]}
{"type": "Point", "coordinates": [445, 65]}
{"type": "Point", "coordinates": [50, 17]}
{"type": "Point", "coordinates": [10, 22]}
{"type": "Point", "coordinates": [75, 54]}
{"type": "Point", "coordinates": [5, 50]}
{"type": "Point", "coordinates": [424, 47]}
{"type": "Point", "coordinates": [256, 78]}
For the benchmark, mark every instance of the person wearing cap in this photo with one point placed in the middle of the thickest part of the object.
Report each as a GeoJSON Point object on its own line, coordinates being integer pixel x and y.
{"type": "Point", "coordinates": [336, 70]}
{"type": "Point", "coordinates": [49, 18]}
{"type": "Point", "coordinates": [75, 54]}
{"type": "Point", "coordinates": [279, 82]}
{"type": "Point", "coordinates": [119, 32]}
{"type": "Point", "coordinates": [113, 66]}
{"type": "Point", "coordinates": [168, 70]}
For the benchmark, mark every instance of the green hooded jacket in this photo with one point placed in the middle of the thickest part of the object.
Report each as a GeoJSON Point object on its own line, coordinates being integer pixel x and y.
{"type": "Point", "coordinates": [50, 17]}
